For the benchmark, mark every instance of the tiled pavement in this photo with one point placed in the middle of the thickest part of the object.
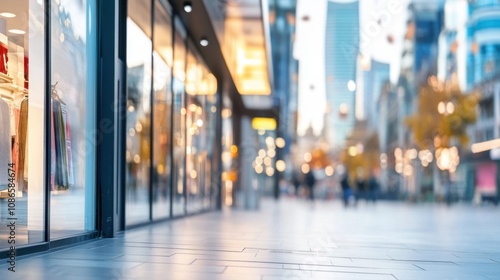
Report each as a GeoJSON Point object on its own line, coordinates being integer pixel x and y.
{"type": "Point", "coordinates": [290, 240]}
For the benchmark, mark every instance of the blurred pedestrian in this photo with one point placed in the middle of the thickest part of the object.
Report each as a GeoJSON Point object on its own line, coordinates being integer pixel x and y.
{"type": "Point", "coordinates": [296, 182]}
{"type": "Point", "coordinates": [372, 188]}
{"type": "Point", "coordinates": [310, 182]}
{"type": "Point", "coordinates": [346, 189]}
{"type": "Point", "coordinates": [361, 188]}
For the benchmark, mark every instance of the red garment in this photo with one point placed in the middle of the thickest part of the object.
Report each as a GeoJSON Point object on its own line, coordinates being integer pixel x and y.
{"type": "Point", "coordinates": [4, 58]}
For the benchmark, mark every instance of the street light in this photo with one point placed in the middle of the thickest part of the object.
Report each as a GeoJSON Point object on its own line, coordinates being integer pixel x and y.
{"type": "Point", "coordinates": [446, 108]}
{"type": "Point", "coordinates": [188, 7]}
{"type": "Point", "coordinates": [447, 159]}
{"type": "Point", "coordinates": [351, 86]}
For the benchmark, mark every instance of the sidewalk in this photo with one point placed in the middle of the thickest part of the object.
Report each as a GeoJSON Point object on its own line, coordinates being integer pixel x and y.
{"type": "Point", "coordinates": [290, 240]}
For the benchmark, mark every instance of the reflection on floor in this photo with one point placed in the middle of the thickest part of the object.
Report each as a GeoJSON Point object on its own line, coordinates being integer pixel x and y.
{"type": "Point", "coordinates": [290, 240]}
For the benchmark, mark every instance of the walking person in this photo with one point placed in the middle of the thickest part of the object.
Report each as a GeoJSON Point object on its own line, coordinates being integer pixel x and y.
{"type": "Point", "coordinates": [346, 189]}
{"type": "Point", "coordinates": [296, 183]}
{"type": "Point", "coordinates": [373, 188]}
{"type": "Point", "coordinates": [310, 182]}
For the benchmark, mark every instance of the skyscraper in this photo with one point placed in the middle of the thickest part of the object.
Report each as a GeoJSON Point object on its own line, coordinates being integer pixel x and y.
{"type": "Point", "coordinates": [341, 51]}
{"type": "Point", "coordinates": [452, 56]}
{"type": "Point", "coordinates": [483, 76]}
{"type": "Point", "coordinates": [373, 82]}
{"type": "Point", "coordinates": [483, 60]}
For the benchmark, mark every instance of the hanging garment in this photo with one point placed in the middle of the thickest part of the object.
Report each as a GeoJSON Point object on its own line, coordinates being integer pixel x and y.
{"type": "Point", "coordinates": [52, 151]}
{"type": "Point", "coordinates": [4, 58]}
{"type": "Point", "coordinates": [22, 138]}
{"type": "Point", "coordinates": [5, 145]}
{"type": "Point", "coordinates": [26, 72]}
{"type": "Point", "coordinates": [67, 135]}
{"type": "Point", "coordinates": [61, 152]}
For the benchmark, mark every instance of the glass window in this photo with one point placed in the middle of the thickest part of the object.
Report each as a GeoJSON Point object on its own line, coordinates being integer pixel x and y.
{"type": "Point", "coordinates": [179, 121]}
{"type": "Point", "coordinates": [22, 112]}
{"type": "Point", "coordinates": [195, 153]}
{"type": "Point", "coordinates": [210, 171]}
{"type": "Point", "coordinates": [228, 163]}
{"type": "Point", "coordinates": [200, 88]}
{"type": "Point", "coordinates": [487, 109]}
{"type": "Point", "coordinates": [73, 66]}
{"type": "Point", "coordinates": [138, 155]}
{"type": "Point", "coordinates": [162, 108]}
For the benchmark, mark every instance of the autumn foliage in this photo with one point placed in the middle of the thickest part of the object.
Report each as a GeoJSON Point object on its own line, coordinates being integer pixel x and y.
{"type": "Point", "coordinates": [428, 124]}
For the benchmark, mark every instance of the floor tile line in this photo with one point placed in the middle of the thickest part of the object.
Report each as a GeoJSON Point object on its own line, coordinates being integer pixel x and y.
{"type": "Point", "coordinates": [372, 246]}
{"type": "Point", "coordinates": [259, 261]}
{"type": "Point", "coordinates": [267, 249]}
{"type": "Point", "coordinates": [364, 267]}
{"type": "Point", "coordinates": [419, 267]}
{"type": "Point", "coordinates": [348, 272]}
{"type": "Point", "coordinates": [450, 251]}
{"type": "Point", "coordinates": [294, 263]}
{"type": "Point", "coordinates": [66, 257]}
{"type": "Point", "coordinates": [190, 249]}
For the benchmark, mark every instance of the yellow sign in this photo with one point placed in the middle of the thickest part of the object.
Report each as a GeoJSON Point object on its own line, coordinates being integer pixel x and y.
{"type": "Point", "coordinates": [264, 123]}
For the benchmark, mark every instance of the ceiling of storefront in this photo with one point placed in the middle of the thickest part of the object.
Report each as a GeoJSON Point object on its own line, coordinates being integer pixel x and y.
{"type": "Point", "coordinates": [20, 21]}
{"type": "Point", "coordinates": [241, 30]}
{"type": "Point", "coordinates": [20, 9]}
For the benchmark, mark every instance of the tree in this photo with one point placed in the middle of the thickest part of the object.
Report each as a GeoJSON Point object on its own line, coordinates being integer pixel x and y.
{"type": "Point", "coordinates": [319, 158]}
{"type": "Point", "coordinates": [444, 112]}
{"type": "Point", "coordinates": [360, 164]}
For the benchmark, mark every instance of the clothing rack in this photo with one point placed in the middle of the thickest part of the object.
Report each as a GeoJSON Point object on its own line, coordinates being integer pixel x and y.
{"type": "Point", "coordinates": [55, 95]}
{"type": "Point", "coordinates": [14, 90]}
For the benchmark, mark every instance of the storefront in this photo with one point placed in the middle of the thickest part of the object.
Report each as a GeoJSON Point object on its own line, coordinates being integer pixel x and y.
{"type": "Point", "coordinates": [48, 115]}
{"type": "Point", "coordinates": [171, 114]}
{"type": "Point", "coordinates": [483, 179]}
{"type": "Point", "coordinates": [110, 118]}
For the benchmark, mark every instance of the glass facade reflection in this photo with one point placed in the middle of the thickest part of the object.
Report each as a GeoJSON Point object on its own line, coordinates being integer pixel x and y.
{"type": "Point", "coordinates": [171, 91]}
{"type": "Point", "coordinates": [138, 128]}
{"type": "Point", "coordinates": [73, 113]}
{"type": "Point", "coordinates": [22, 113]}
{"type": "Point", "coordinates": [55, 118]}
{"type": "Point", "coordinates": [200, 116]}
{"type": "Point", "coordinates": [162, 109]}
{"type": "Point", "coordinates": [48, 93]}
{"type": "Point", "coordinates": [179, 124]}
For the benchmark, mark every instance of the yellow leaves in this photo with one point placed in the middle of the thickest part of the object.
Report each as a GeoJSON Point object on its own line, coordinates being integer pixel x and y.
{"type": "Point", "coordinates": [427, 122]}
{"type": "Point", "coordinates": [362, 163]}
{"type": "Point", "coordinates": [319, 159]}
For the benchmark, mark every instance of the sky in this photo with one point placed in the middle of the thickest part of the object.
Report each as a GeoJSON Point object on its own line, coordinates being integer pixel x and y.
{"type": "Point", "coordinates": [379, 21]}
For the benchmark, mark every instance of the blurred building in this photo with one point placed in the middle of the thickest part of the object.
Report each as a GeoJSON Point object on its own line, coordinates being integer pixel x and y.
{"type": "Point", "coordinates": [285, 73]}
{"type": "Point", "coordinates": [152, 103]}
{"type": "Point", "coordinates": [374, 79]}
{"type": "Point", "coordinates": [452, 67]}
{"type": "Point", "coordinates": [341, 52]}
{"type": "Point", "coordinates": [453, 46]}
{"type": "Point", "coordinates": [419, 61]}
{"type": "Point", "coordinates": [389, 109]}
{"type": "Point", "coordinates": [483, 38]}
{"type": "Point", "coordinates": [371, 123]}
{"type": "Point", "coordinates": [483, 75]}
{"type": "Point", "coordinates": [310, 142]}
